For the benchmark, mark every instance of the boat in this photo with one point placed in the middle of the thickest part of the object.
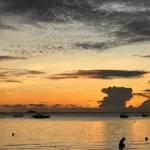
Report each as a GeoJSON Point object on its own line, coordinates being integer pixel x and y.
{"type": "Point", "coordinates": [41, 116]}
{"type": "Point", "coordinates": [124, 115]}
{"type": "Point", "coordinates": [144, 115]}
{"type": "Point", "coordinates": [18, 115]}
{"type": "Point", "coordinates": [32, 111]}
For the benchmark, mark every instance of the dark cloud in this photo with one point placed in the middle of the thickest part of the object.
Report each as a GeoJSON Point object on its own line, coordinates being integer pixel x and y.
{"type": "Point", "coordinates": [13, 106]}
{"type": "Point", "coordinates": [48, 108]}
{"type": "Point", "coordinates": [12, 75]}
{"type": "Point", "coordinates": [24, 106]}
{"type": "Point", "coordinates": [146, 94]}
{"type": "Point", "coordinates": [37, 105]}
{"type": "Point", "coordinates": [101, 46]}
{"type": "Point", "coordinates": [11, 81]}
{"type": "Point", "coordinates": [128, 23]}
{"type": "Point", "coordinates": [145, 106]}
{"type": "Point", "coordinates": [19, 72]}
{"type": "Point", "coordinates": [147, 90]}
{"type": "Point", "coordinates": [2, 58]}
{"type": "Point", "coordinates": [143, 56]}
{"type": "Point", "coordinates": [56, 106]}
{"type": "Point", "coordinates": [116, 98]}
{"type": "Point", "coordinates": [7, 27]}
{"type": "Point", "coordinates": [99, 74]}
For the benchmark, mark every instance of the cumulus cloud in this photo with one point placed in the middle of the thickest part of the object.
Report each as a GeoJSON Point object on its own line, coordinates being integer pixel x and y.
{"type": "Point", "coordinates": [99, 74]}
{"type": "Point", "coordinates": [145, 106]}
{"type": "Point", "coordinates": [116, 98]}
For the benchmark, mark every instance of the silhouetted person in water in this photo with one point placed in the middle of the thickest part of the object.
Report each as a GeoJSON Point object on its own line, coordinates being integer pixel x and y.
{"type": "Point", "coordinates": [146, 138]}
{"type": "Point", "coordinates": [121, 144]}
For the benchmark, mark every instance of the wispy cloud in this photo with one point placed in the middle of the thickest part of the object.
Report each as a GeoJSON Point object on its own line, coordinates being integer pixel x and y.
{"type": "Point", "coordinates": [9, 75]}
{"type": "Point", "coordinates": [146, 95]}
{"type": "Point", "coordinates": [143, 56]}
{"type": "Point", "coordinates": [7, 27]}
{"type": "Point", "coordinates": [3, 58]}
{"type": "Point", "coordinates": [11, 81]}
{"type": "Point", "coordinates": [147, 90]}
{"type": "Point", "coordinates": [99, 74]}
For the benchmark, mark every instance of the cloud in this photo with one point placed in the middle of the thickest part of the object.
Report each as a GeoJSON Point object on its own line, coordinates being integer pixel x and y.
{"type": "Point", "coordinates": [37, 105]}
{"type": "Point", "coordinates": [13, 106]}
{"type": "Point", "coordinates": [145, 94]}
{"type": "Point", "coordinates": [19, 72]}
{"type": "Point", "coordinates": [147, 90]}
{"type": "Point", "coordinates": [7, 27]}
{"type": "Point", "coordinates": [11, 81]}
{"type": "Point", "coordinates": [24, 106]}
{"type": "Point", "coordinates": [143, 56]}
{"type": "Point", "coordinates": [2, 58]}
{"type": "Point", "coordinates": [47, 108]}
{"type": "Point", "coordinates": [128, 23]}
{"type": "Point", "coordinates": [145, 106]}
{"type": "Point", "coordinates": [8, 75]}
{"type": "Point", "coordinates": [99, 74]}
{"type": "Point", "coordinates": [101, 46]}
{"type": "Point", "coordinates": [116, 98]}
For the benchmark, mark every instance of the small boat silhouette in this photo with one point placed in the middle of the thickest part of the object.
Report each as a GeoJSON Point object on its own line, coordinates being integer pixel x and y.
{"type": "Point", "coordinates": [124, 115]}
{"type": "Point", "coordinates": [144, 115]}
{"type": "Point", "coordinates": [18, 115]}
{"type": "Point", "coordinates": [31, 111]}
{"type": "Point", "coordinates": [41, 116]}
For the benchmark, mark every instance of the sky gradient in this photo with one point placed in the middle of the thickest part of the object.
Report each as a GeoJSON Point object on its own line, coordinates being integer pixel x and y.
{"type": "Point", "coordinates": [59, 57]}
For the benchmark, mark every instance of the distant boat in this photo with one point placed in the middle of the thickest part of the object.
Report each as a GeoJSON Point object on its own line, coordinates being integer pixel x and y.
{"type": "Point", "coordinates": [31, 111]}
{"type": "Point", "coordinates": [124, 115]}
{"type": "Point", "coordinates": [41, 116]}
{"type": "Point", "coordinates": [144, 115]}
{"type": "Point", "coordinates": [18, 115]}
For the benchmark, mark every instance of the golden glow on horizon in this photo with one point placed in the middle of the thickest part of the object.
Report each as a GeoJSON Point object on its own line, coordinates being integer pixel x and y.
{"type": "Point", "coordinates": [81, 92]}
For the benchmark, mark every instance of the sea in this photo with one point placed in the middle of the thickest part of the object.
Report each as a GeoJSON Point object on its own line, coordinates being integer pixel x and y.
{"type": "Point", "coordinates": [74, 131]}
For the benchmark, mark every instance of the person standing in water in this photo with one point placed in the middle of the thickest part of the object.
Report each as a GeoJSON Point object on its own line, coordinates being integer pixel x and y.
{"type": "Point", "coordinates": [121, 144]}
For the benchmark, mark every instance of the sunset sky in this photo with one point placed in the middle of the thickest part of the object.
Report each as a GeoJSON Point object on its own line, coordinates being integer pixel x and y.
{"type": "Point", "coordinates": [66, 60]}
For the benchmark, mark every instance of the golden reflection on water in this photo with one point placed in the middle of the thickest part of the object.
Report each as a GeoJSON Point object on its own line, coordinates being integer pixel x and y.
{"type": "Point", "coordinates": [74, 133]}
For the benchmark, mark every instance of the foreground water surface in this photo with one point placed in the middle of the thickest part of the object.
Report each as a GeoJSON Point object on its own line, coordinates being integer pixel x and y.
{"type": "Point", "coordinates": [74, 133]}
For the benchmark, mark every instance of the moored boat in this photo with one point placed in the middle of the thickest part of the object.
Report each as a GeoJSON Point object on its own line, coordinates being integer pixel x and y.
{"type": "Point", "coordinates": [32, 111]}
{"type": "Point", "coordinates": [124, 115]}
{"type": "Point", "coordinates": [41, 116]}
{"type": "Point", "coordinates": [144, 115]}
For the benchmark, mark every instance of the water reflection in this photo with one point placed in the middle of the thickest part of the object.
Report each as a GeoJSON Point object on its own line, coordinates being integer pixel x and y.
{"type": "Point", "coordinates": [74, 133]}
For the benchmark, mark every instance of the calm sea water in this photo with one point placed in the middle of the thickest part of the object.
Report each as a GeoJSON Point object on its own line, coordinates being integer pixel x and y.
{"type": "Point", "coordinates": [74, 133]}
